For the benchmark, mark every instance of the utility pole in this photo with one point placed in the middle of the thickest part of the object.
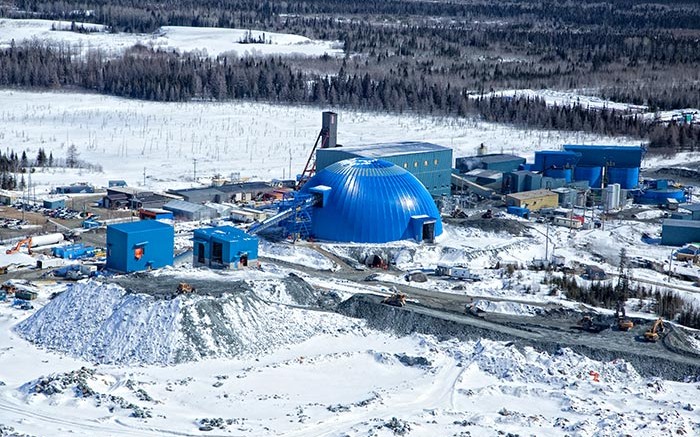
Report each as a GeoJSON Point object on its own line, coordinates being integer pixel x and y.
{"type": "Point", "coordinates": [546, 243]}
{"type": "Point", "coordinates": [194, 173]}
{"type": "Point", "coordinates": [144, 176]}
{"type": "Point", "coordinates": [290, 164]}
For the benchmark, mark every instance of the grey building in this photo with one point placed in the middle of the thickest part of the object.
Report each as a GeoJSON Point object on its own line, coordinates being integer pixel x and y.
{"type": "Point", "coordinates": [183, 210]}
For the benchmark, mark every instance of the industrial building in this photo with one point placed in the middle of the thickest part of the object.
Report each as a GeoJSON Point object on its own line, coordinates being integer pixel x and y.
{"type": "Point", "coordinates": [74, 189]}
{"type": "Point", "coordinates": [533, 200]}
{"type": "Point", "coordinates": [679, 232]}
{"type": "Point", "coordinates": [189, 211]}
{"type": "Point", "coordinates": [689, 211]}
{"type": "Point", "coordinates": [371, 201]}
{"type": "Point", "coordinates": [239, 192]}
{"type": "Point", "coordinates": [155, 214]}
{"type": "Point", "coordinates": [54, 203]}
{"type": "Point", "coordinates": [224, 247]}
{"type": "Point", "coordinates": [612, 164]}
{"type": "Point", "coordinates": [133, 198]}
{"type": "Point", "coordinates": [496, 162]}
{"type": "Point", "coordinates": [430, 163]}
{"type": "Point", "coordinates": [139, 246]}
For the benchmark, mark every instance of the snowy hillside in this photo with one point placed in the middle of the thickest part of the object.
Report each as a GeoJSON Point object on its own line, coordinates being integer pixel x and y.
{"type": "Point", "coordinates": [203, 40]}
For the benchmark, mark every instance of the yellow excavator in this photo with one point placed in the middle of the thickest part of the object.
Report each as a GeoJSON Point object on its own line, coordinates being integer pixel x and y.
{"type": "Point", "coordinates": [396, 299]}
{"type": "Point", "coordinates": [656, 329]}
{"type": "Point", "coordinates": [623, 323]}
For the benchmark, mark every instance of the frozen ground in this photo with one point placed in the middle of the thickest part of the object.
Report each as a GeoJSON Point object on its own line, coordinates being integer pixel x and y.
{"type": "Point", "coordinates": [255, 140]}
{"type": "Point", "coordinates": [207, 41]}
{"type": "Point", "coordinates": [361, 380]}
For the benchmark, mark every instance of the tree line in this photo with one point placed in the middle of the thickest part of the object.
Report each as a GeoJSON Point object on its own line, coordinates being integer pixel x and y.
{"type": "Point", "coordinates": [164, 76]}
{"type": "Point", "coordinates": [625, 50]}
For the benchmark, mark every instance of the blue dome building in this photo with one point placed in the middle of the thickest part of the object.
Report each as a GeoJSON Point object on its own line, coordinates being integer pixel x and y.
{"type": "Point", "coordinates": [371, 201]}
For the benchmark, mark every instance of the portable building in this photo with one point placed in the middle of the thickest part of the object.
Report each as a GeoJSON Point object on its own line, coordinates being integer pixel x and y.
{"type": "Point", "coordinates": [139, 246]}
{"type": "Point", "coordinates": [533, 200]}
{"type": "Point", "coordinates": [224, 247]}
{"type": "Point", "coordinates": [54, 203]}
{"type": "Point", "coordinates": [155, 214]}
{"type": "Point", "coordinates": [430, 163]}
{"type": "Point", "coordinates": [693, 209]}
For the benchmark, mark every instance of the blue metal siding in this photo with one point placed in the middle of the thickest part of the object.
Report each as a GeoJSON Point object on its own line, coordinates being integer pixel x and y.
{"type": "Point", "coordinates": [156, 238]}
{"type": "Point", "coordinates": [559, 173]}
{"type": "Point", "coordinates": [628, 178]}
{"type": "Point", "coordinates": [554, 158]}
{"type": "Point", "coordinates": [234, 243]}
{"type": "Point", "coordinates": [433, 168]}
{"type": "Point", "coordinates": [371, 201]}
{"type": "Point", "coordinates": [679, 232]}
{"type": "Point", "coordinates": [611, 156]}
{"type": "Point", "coordinates": [594, 175]}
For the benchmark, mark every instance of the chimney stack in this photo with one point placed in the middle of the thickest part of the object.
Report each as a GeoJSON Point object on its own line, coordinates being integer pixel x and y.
{"type": "Point", "coordinates": [329, 130]}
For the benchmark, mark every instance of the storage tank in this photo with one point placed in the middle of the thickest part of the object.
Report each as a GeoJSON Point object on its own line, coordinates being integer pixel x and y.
{"type": "Point", "coordinates": [46, 240]}
{"type": "Point", "coordinates": [628, 178]}
{"type": "Point", "coordinates": [559, 173]}
{"type": "Point", "coordinates": [594, 175]}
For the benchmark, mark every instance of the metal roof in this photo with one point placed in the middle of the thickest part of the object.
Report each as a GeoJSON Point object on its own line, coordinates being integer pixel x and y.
{"type": "Point", "coordinates": [525, 195]}
{"type": "Point", "coordinates": [139, 226]}
{"type": "Point", "coordinates": [682, 223]}
{"type": "Point", "coordinates": [390, 149]}
{"type": "Point", "coordinates": [225, 233]}
{"type": "Point", "coordinates": [370, 201]}
{"type": "Point", "coordinates": [182, 205]}
{"type": "Point", "coordinates": [691, 206]}
{"type": "Point", "coordinates": [500, 157]}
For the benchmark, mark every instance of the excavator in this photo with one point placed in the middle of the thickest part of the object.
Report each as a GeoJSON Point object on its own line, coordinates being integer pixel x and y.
{"type": "Point", "coordinates": [396, 299]}
{"type": "Point", "coordinates": [184, 288]}
{"type": "Point", "coordinates": [652, 333]}
{"type": "Point", "coordinates": [27, 241]}
{"type": "Point", "coordinates": [623, 323]}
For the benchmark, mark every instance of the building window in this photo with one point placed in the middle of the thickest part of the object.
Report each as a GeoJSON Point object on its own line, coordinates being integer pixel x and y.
{"type": "Point", "coordinates": [415, 164]}
{"type": "Point", "coordinates": [405, 165]}
{"type": "Point", "coordinates": [425, 163]}
{"type": "Point", "coordinates": [436, 162]}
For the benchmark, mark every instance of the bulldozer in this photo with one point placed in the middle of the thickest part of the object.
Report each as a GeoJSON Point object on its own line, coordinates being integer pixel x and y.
{"type": "Point", "coordinates": [654, 332]}
{"type": "Point", "coordinates": [184, 287]}
{"type": "Point", "coordinates": [623, 323]}
{"type": "Point", "coordinates": [396, 299]}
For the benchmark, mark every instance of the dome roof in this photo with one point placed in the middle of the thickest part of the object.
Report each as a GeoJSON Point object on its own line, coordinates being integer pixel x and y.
{"type": "Point", "coordinates": [371, 201]}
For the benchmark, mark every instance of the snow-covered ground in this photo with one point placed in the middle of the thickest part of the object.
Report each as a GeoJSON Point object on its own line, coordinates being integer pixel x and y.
{"type": "Point", "coordinates": [207, 41]}
{"type": "Point", "coordinates": [567, 98]}
{"type": "Point", "coordinates": [347, 382]}
{"type": "Point", "coordinates": [260, 141]}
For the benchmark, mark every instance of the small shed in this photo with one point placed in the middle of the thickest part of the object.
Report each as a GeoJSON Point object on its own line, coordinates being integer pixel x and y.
{"type": "Point", "coordinates": [139, 246]}
{"type": "Point", "coordinates": [224, 247]}
{"type": "Point", "coordinates": [116, 183]}
{"type": "Point", "coordinates": [54, 203]}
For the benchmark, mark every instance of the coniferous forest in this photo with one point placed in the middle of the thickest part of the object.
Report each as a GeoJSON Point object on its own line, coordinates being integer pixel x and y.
{"type": "Point", "coordinates": [422, 56]}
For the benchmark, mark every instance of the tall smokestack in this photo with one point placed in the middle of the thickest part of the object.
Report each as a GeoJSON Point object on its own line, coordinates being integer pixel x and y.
{"type": "Point", "coordinates": [329, 130]}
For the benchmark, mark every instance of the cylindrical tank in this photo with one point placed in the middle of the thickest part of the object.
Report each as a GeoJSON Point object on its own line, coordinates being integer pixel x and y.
{"type": "Point", "coordinates": [628, 178]}
{"type": "Point", "coordinates": [594, 175]}
{"type": "Point", "coordinates": [45, 240]}
{"type": "Point", "coordinates": [559, 173]}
